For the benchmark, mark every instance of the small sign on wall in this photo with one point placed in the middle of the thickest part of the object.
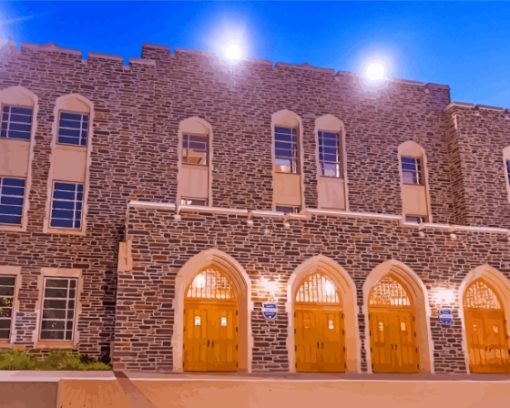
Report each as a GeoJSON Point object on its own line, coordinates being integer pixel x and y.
{"type": "Point", "coordinates": [269, 311]}
{"type": "Point", "coordinates": [446, 316]}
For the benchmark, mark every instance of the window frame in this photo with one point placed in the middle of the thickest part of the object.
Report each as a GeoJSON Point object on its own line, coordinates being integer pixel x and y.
{"type": "Point", "coordinates": [13, 306]}
{"type": "Point", "coordinates": [87, 131]}
{"type": "Point", "coordinates": [417, 173]}
{"type": "Point", "coordinates": [415, 219]}
{"type": "Point", "coordinates": [295, 160]}
{"type": "Point", "coordinates": [204, 200]}
{"type": "Point", "coordinates": [23, 200]}
{"type": "Point", "coordinates": [295, 209]}
{"type": "Point", "coordinates": [30, 131]}
{"type": "Point", "coordinates": [185, 138]}
{"type": "Point", "coordinates": [82, 211]}
{"type": "Point", "coordinates": [339, 154]}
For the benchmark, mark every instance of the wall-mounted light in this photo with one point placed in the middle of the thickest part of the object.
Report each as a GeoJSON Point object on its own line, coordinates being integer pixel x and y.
{"type": "Point", "coordinates": [444, 297]}
{"type": "Point", "coordinates": [268, 288]}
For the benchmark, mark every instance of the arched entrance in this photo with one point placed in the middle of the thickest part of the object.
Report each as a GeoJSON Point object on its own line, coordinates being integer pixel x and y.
{"type": "Point", "coordinates": [393, 340]}
{"type": "Point", "coordinates": [211, 323]}
{"type": "Point", "coordinates": [320, 277]}
{"type": "Point", "coordinates": [488, 343]}
{"type": "Point", "coordinates": [319, 326]}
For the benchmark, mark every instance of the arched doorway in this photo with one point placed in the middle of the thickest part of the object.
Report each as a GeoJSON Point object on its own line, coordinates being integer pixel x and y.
{"type": "Point", "coordinates": [392, 328]}
{"type": "Point", "coordinates": [211, 323]}
{"type": "Point", "coordinates": [488, 343]}
{"type": "Point", "coordinates": [319, 326]}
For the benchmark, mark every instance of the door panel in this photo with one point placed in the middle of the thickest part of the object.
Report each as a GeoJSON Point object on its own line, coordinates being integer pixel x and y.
{"type": "Point", "coordinates": [393, 341]}
{"type": "Point", "coordinates": [487, 341]}
{"type": "Point", "coordinates": [319, 340]}
{"type": "Point", "coordinates": [210, 337]}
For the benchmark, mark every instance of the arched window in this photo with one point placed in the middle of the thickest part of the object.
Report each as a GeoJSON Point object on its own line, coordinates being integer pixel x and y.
{"type": "Point", "coordinates": [413, 170]}
{"type": "Point", "coordinates": [506, 161]}
{"type": "Point", "coordinates": [287, 161]}
{"type": "Point", "coordinates": [194, 180]}
{"type": "Point", "coordinates": [17, 128]}
{"type": "Point", "coordinates": [331, 170]}
{"type": "Point", "coordinates": [70, 157]}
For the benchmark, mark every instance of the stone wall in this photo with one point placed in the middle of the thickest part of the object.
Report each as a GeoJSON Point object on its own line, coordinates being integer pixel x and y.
{"type": "Point", "coordinates": [138, 107]}
{"type": "Point", "coordinates": [161, 245]}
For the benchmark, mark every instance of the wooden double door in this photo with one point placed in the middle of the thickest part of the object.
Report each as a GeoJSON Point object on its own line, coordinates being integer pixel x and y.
{"type": "Point", "coordinates": [211, 336]}
{"type": "Point", "coordinates": [319, 339]}
{"type": "Point", "coordinates": [487, 340]}
{"type": "Point", "coordinates": [393, 342]}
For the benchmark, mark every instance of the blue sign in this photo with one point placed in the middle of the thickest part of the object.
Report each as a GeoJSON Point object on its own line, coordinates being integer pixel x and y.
{"type": "Point", "coordinates": [269, 310]}
{"type": "Point", "coordinates": [446, 316]}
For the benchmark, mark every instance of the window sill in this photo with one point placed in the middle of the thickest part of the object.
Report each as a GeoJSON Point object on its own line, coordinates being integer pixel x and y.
{"type": "Point", "coordinates": [64, 231]}
{"type": "Point", "coordinates": [55, 344]}
{"type": "Point", "coordinates": [332, 177]}
{"type": "Point", "coordinates": [13, 227]}
{"type": "Point", "coordinates": [78, 148]}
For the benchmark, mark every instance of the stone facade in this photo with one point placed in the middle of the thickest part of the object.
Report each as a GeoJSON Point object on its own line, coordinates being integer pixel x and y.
{"type": "Point", "coordinates": [128, 315]}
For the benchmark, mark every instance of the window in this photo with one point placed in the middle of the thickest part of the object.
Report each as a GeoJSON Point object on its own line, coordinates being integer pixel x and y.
{"type": "Point", "coordinates": [12, 192]}
{"type": "Point", "coordinates": [6, 302]}
{"type": "Point", "coordinates": [415, 219]}
{"type": "Point", "coordinates": [329, 154]}
{"type": "Point", "coordinates": [508, 170]}
{"type": "Point", "coordinates": [287, 209]}
{"type": "Point", "coordinates": [286, 155]}
{"type": "Point", "coordinates": [58, 309]}
{"type": "Point", "coordinates": [195, 149]}
{"type": "Point", "coordinates": [16, 122]}
{"type": "Point", "coordinates": [66, 206]}
{"type": "Point", "coordinates": [193, 201]}
{"type": "Point", "coordinates": [411, 170]}
{"type": "Point", "coordinates": [73, 128]}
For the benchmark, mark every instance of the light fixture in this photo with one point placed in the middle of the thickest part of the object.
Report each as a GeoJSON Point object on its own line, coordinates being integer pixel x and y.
{"type": "Point", "coordinates": [269, 288]}
{"type": "Point", "coordinates": [444, 296]}
{"type": "Point", "coordinates": [233, 51]}
{"type": "Point", "coordinates": [375, 71]}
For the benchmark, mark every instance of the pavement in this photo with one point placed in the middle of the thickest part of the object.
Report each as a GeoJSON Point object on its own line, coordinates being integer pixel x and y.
{"type": "Point", "coordinates": [71, 389]}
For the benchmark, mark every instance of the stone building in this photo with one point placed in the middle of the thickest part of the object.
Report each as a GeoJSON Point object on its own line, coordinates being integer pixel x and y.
{"type": "Point", "coordinates": [180, 213]}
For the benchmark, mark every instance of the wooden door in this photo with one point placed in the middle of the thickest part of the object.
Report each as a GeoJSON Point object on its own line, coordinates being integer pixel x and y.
{"type": "Point", "coordinates": [486, 332]}
{"type": "Point", "coordinates": [393, 341]}
{"type": "Point", "coordinates": [319, 339]}
{"type": "Point", "coordinates": [211, 327]}
{"type": "Point", "coordinates": [332, 353]}
{"type": "Point", "coordinates": [488, 344]}
{"type": "Point", "coordinates": [318, 326]}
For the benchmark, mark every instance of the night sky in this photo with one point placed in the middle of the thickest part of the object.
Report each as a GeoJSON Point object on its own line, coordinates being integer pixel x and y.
{"type": "Point", "coordinates": [463, 44]}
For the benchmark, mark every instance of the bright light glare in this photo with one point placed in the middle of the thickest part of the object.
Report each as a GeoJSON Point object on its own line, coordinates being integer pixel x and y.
{"type": "Point", "coordinates": [233, 52]}
{"type": "Point", "coordinates": [444, 296]}
{"type": "Point", "coordinates": [269, 287]}
{"type": "Point", "coordinates": [375, 71]}
{"type": "Point", "coordinates": [330, 289]}
{"type": "Point", "coordinates": [199, 281]}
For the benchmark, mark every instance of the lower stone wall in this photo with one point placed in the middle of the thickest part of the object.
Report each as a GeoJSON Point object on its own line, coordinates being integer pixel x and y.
{"type": "Point", "coordinates": [162, 244]}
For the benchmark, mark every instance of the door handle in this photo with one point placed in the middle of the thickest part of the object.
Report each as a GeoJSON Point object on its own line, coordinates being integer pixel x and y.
{"type": "Point", "coordinates": [318, 345]}
{"type": "Point", "coordinates": [207, 343]}
{"type": "Point", "coordinates": [213, 343]}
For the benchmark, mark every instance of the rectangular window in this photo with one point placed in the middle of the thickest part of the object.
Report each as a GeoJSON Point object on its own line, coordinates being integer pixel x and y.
{"type": "Point", "coordinates": [195, 149]}
{"type": "Point", "coordinates": [6, 302]}
{"type": "Point", "coordinates": [73, 128]}
{"type": "Point", "coordinates": [12, 193]}
{"type": "Point", "coordinates": [415, 219]}
{"type": "Point", "coordinates": [59, 302]}
{"type": "Point", "coordinates": [329, 154]}
{"type": "Point", "coordinates": [508, 170]}
{"type": "Point", "coordinates": [66, 205]}
{"type": "Point", "coordinates": [288, 209]}
{"type": "Point", "coordinates": [16, 122]}
{"type": "Point", "coordinates": [193, 201]}
{"type": "Point", "coordinates": [285, 150]}
{"type": "Point", "coordinates": [411, 170]}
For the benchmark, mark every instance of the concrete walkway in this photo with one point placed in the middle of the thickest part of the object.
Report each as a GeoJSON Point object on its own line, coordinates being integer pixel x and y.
{"type": "Point", "coordinates": [71, 389]}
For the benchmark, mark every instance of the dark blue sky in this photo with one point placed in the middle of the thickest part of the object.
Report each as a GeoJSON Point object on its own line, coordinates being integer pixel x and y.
{"type": "Point", "coordinates": [465, 45]}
